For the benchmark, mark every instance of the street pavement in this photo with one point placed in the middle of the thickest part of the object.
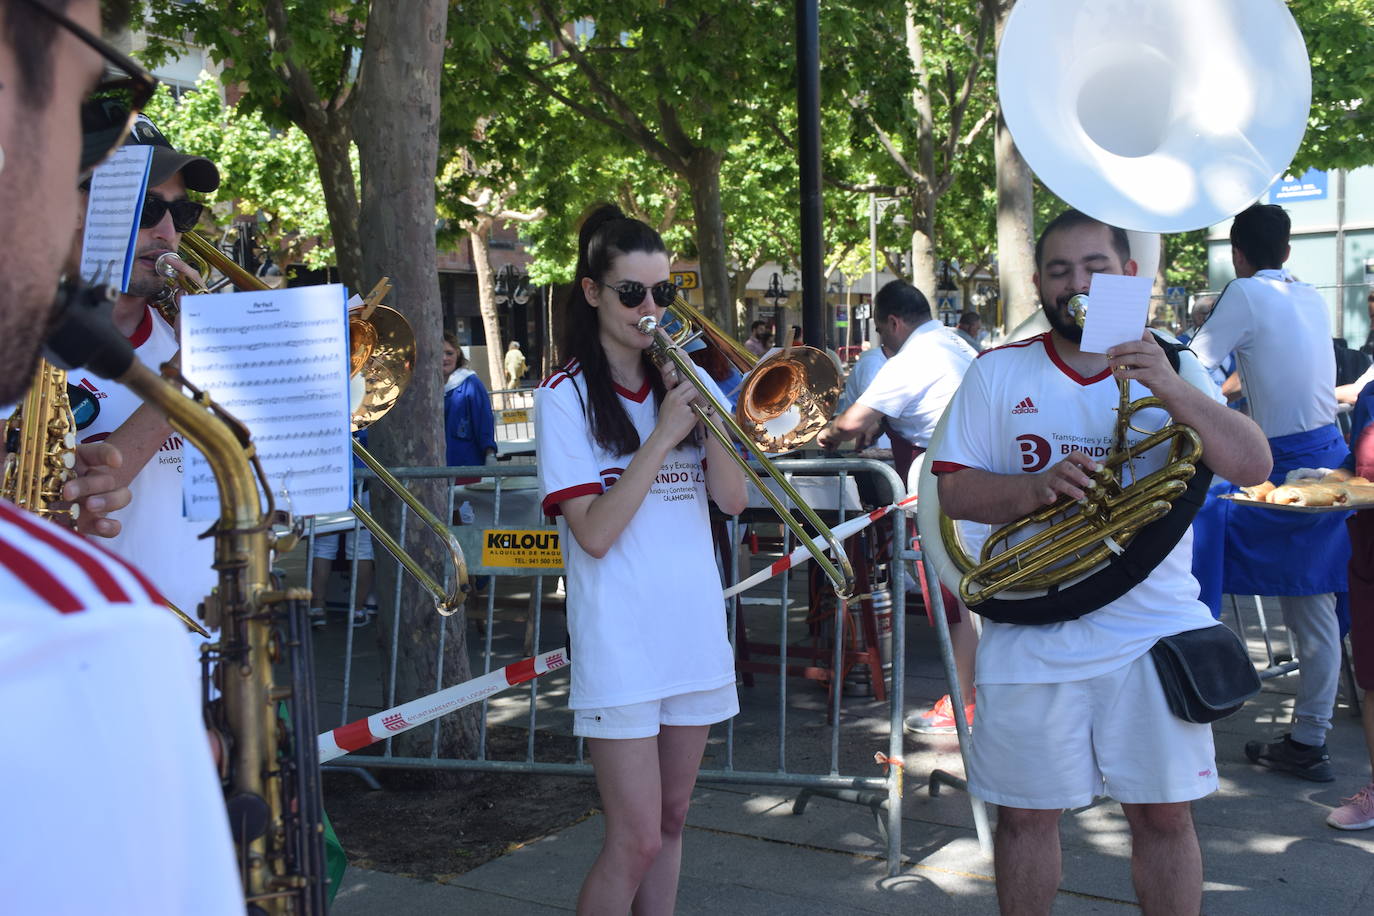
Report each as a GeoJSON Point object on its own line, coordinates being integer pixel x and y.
{"type": "Point", "coordinates": [1266, 847]}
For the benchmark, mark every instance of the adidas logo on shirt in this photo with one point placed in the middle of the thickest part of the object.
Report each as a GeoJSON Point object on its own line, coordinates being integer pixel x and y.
{"type": "Point", "coordinates": [1026, 406]}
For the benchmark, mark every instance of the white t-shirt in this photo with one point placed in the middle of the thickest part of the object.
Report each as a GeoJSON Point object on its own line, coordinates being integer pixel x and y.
{"type": "Point", "coordinates": [647, 620]}
{"type": "Point", "coordinates": [1280, 331]}
{"type": "Point", "coordinates": [1020, 410]}
{"type": "Point", "coordinates": [155, 536]}
{"type": "Point", "coordinates": [861, 375]}
{"type": "Point", "coordinates": [913, 387]}
{"type": "Point", "coordinates": [105, 754]}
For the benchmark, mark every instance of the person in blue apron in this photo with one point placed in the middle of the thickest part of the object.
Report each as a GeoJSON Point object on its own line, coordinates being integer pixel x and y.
{"type": "Point", "coordinates": [1280, 332]}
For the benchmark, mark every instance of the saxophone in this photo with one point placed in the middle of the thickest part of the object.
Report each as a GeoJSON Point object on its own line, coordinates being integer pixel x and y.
{"type": "Point", "coordinates": [266, 727]}
{"type": "Point", "coordinates": [40, 445]}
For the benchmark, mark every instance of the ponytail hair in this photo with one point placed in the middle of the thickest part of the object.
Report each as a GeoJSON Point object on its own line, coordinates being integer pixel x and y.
{"type": "Point", "coordinates": [606, 234]}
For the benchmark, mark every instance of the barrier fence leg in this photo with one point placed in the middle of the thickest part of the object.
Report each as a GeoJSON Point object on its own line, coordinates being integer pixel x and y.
{"type": "Point", "coordinates": [937, 612]}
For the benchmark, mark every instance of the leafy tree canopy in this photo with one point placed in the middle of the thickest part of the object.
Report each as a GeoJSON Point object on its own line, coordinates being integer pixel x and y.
{"type": "Point", "coordinates": [267, 175]}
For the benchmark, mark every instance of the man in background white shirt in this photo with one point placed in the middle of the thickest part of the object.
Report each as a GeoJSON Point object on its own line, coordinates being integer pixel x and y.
{"type": "Point", "coordinates": [1280, 332]}
{"type": "Point", "coordinates": [908, 394]}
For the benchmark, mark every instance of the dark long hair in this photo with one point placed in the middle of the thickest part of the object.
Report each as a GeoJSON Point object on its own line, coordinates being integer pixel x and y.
{"type": "Point", "coordinates": [606, 234]}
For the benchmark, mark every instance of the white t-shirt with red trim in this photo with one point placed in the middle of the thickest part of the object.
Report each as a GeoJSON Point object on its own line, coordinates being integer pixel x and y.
{"type": "Point", "coordinates": [155, 536]}
{"type": "Point", "coordinates": [913, 387]}
{"type": "Point", "coordinates": [105, 750]}
{"type": "Point", "coordinates": [1020, 410]}
{"type": "Point", "coordinates": [647, 620]}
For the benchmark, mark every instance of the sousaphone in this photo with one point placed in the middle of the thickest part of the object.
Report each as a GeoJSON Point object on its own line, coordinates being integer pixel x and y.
{"type": "Point", "coordinates": [1159, 116]}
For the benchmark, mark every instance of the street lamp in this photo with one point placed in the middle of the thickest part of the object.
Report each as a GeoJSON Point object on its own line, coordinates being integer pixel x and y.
{"type": "Point", "coordinates": [511, 285]}
{"type": "Point", "coordinates": [776, 294]}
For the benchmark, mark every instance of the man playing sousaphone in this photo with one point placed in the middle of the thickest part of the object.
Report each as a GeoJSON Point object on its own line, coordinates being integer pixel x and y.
{"type": "Point", "coordinates": [1074, 709]}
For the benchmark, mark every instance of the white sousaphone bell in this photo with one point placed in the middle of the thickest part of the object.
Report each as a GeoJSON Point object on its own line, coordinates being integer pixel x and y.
{"type": "Point", "coordinates": [1157, 116]}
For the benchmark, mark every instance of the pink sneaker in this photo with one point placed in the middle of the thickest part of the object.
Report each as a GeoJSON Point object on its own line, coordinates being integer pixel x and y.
{"type": "Point", "coordinates": [1357, 812]}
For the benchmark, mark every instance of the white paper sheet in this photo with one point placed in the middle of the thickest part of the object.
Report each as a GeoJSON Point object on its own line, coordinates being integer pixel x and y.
{"type": "Point", "coordinates": [1118, 307]}
{"type": "Point", "coordinates": [112, 214]}
{"type": "Point", "coordinates": [278, 361]}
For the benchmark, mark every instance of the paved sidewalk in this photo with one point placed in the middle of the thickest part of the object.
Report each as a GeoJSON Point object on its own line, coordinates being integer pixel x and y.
{"type": "Point", "coordinates": [1266, 847]}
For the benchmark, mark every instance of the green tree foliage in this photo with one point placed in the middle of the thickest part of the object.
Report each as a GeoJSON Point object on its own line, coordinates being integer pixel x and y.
{"type": "Point", "coordinates": [674, 80]}
{"type": "Point", "coordinates": [267, 175]}
{"type": "Point", "coordinates": [916, 80]}
{"type": "Point", "coordinates": [295, 62]}
{"type": "Point", "coordinates": [1340, 43]}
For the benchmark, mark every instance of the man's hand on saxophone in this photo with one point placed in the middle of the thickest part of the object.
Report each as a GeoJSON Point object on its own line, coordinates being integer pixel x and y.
{"type": "Point", "coordinates": [97, 489]}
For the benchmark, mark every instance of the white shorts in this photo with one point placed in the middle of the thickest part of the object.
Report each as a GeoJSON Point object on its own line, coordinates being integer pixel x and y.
{"type": "Point", "coordinates": [326, 546]}
{"type": "Point", "coordinates": [1062, 745]}
{"type": "Point", "coordinates": [642, 720]}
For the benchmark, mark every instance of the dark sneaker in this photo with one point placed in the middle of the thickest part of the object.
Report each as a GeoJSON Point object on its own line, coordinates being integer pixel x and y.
{"type": "Point", "coordinates": [317, 617]}
{"type": "Point", "coordinates": [1313, 764]}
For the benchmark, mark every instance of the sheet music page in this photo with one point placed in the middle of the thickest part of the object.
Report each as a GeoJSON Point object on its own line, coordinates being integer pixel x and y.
{"type": "Point", "coordinates": [278, 361]}
{"type": "Point", "coordinates": [112, 213]}
{"type": "Point", "coordinates": [1118, 307]}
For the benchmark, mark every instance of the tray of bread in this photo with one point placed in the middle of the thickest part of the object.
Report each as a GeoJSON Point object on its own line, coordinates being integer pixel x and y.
{"type": "Point", "coordinates": [1310, 490]}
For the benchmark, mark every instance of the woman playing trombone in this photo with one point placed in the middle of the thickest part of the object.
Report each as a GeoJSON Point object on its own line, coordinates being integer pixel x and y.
{"type": "Point", "coordinates": [624, 467]}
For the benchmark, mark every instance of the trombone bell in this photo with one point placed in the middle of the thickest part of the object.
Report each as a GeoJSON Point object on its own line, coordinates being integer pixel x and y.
{"type": "Point", "coordinates": [787, 398]}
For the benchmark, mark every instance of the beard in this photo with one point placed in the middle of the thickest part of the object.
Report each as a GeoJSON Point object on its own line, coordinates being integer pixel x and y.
{"type": "Point", "coordinates": [1059, 319]}
{"type": "Point", "coordinates": [28, 279]}
{"type": "Point", "coordinates": [143, 283]}
{"type": "Point", "coordinates": [21, 333]}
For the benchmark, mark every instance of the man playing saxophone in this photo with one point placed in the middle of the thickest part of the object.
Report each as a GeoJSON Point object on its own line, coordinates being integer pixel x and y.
{"type": "Point", "coordinates": [1074, 709]}
{"type": "Point", "coordinates": [105, 745]}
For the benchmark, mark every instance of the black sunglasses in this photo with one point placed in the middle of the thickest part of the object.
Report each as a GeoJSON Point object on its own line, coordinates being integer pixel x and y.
{"type": "Point", "coordinates": [631, 293]}
{"type": "Point", "coordinates": [109, 111]}
{"type": "Point", "coordinates": [185, 213]}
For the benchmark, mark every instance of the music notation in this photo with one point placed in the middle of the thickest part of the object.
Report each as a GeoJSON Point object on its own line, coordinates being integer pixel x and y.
{"type": "Point", "coordinates": [112, 212]}
{"type": "Point", "coordinates": [278, 361]}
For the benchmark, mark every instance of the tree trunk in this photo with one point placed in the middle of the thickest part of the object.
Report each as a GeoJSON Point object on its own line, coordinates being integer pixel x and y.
{"type": "Point", "coordinates": [480, 235]}
{"type": "Point", "coordinates": [398, 140]}
{"type": "Point", "coordinates": [331, 146]}
{"type": "Point", "coordinates": [923, 199]}
{"type": "Point", "coordinates": [1015, 217]}
{"type": "Point", "coordinates": [923, 255]}
{"type": "Point", "coordinates": [704, 177]}
{"type": "Point", "coordinates": [1015, 228]}
{"type": "Point", "coordinates": [1159, 289]}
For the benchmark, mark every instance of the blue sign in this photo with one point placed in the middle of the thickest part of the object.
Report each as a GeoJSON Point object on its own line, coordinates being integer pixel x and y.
{"type": "Point", "coordinates": [1310, 186]}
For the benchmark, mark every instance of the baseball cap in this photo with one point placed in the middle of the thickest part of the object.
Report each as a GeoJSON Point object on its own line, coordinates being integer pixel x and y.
{"type": "Point", "coordinates": [198, 172]}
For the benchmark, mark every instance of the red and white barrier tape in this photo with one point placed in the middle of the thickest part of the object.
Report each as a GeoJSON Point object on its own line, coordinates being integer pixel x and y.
{"type": "Point", "coordinates": [402, 718]}
{"type": "Point", "coordinates": [801, 554]}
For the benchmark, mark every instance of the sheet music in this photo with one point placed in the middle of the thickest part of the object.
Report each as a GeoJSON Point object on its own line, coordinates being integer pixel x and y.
{"type": "Point", "coordinates": [1117, 309]}
{"type": "Point", "coordinates": [278, 361]}
{"type": "Point", "coordinates": [112, 214]}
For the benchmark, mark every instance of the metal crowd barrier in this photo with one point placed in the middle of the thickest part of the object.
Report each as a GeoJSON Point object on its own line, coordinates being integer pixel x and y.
{"type": "Point", "coordinates": [505, 503]}
{"type": "Point", "coordinates": [513, 410]}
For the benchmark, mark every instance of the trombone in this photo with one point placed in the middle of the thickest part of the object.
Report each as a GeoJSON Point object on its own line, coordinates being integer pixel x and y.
{"type": "Point", "coordinates": [798, 386]}
{"type": "Point", "coordinates": [382, 351]}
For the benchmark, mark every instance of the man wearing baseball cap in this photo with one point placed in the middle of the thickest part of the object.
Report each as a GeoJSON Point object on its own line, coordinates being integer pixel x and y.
{"type": "Point", "coordinates": [153, 531]}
